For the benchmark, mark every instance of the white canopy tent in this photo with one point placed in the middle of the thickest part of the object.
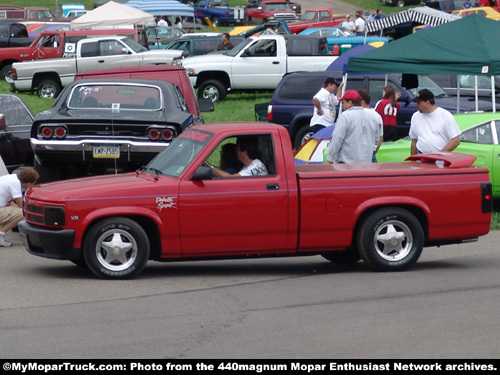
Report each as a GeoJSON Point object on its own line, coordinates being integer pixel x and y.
{"type": "Point", "coordinates": [112, 14]}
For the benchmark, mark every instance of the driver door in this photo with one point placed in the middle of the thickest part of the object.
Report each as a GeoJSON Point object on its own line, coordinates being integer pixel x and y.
{"type": "Point", "coordinates": [235, 215]}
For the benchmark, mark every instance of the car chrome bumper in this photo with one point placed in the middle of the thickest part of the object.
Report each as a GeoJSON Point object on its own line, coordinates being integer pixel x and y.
{"type": "Point", "coordinates": [86, 146]}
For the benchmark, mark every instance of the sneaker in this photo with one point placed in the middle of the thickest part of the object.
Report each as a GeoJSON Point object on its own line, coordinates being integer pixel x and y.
{"type": "Point", "coordinates": [4, 242]}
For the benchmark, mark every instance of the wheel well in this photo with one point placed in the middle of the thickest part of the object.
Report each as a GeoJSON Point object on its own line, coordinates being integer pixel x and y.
{"type": "Point", "coordinates": [297, 125]}
{"type": "Point", "coordinates": [39, 77]}
{"type": "Point", "coordinates": [222, 77]}
{"type": "Point", "coordinates": [146, 223]}
{"type": "Point", "coordinates": [7, 62]}
{"type": "Point", "coordinates": [417, 212]}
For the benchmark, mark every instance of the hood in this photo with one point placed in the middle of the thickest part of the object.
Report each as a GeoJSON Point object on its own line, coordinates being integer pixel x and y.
{"type": "Point", "coordinates": [170, 53]}
{"type": "Point", "coordinates": [121, 186]}
{"type": "Point", "coordinates": [206, 59]}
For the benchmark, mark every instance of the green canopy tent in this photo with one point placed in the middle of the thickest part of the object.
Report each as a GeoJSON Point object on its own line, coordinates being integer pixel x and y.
{"type": "Point", "coordinates": [466, 46]}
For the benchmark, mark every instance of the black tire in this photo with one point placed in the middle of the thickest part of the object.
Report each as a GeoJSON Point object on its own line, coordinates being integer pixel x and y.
{"type": "Point", "coordinates": [401, 3]}
{"type": "Point", "coordinates": [213, 90]}
{"type": "Point", "coordinates": [48, 89]}
{"type": "Point", "coordinates": [302, 136]}
{"type": "Point", "coordinates": [390, 239]}
{"type": "Point", "coordinates": [6, 73]}
{"type": "Point", "coordinates": [128, 246]}
{"type": "Point", "coordinates": [347, 256]}
{"type": "Point", "coordinates": [215, 21]}
{"type": "Point", "coordinates": [48, 171]}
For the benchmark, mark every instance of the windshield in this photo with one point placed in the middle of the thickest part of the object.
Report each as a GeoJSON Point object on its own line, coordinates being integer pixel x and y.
{"type": "Point", "coordinates": [174, 159]}
{"type": "Point", "coordinates": [136, 47]}
{"type": "Point", "coordinates": [233, 52]}
{"type": "Point", "coordinates": [425, 82]}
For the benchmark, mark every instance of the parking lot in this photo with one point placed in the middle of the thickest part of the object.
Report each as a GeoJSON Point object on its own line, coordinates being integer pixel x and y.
{"type": "Point", "coordinates": [444, 307]}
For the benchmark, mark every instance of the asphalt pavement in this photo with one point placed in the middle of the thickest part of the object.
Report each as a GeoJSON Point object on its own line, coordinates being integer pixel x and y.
{"type": "Point", "coordinates": [338, 7]}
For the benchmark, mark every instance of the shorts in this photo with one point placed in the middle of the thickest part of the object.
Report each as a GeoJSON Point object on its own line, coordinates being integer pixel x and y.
{"type": "Point", "coordinates": [9, 214]}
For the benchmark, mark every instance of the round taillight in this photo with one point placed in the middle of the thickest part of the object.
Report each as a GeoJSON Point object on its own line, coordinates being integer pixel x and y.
{"type": "Point", "coordinates": [60, 132]}
{"type": "Point", "coordinates": [153, 134]}
{"type": "Point", "coordinates": [167, 134]}
{"type": "Point", "coordinates": [47, 132]}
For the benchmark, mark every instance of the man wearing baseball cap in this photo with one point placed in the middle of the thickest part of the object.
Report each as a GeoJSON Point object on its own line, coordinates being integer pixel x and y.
{"type": "Point", "coordinates": [432, 128]}
{"type": "Point", "coordinates": [355, 132]}
{"type": "Point", "coordinates": [324, 103]}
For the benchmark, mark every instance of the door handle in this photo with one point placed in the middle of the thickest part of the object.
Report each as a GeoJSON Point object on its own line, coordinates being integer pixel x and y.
{"type": "Point", "coordinates": [276, 62]}
{"type": "Point", "coordinates": [100, 61]}
{"type": "Point", "coordinates": [272, 187]}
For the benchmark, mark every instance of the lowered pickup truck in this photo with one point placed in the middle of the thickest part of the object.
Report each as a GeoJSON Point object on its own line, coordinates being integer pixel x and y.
{"type": "Point", "coordinates": [174, 209]}
{"type": "Point", "coordinates": [258, 63]}
{"type": "Point", "coordinates": [49, 76]}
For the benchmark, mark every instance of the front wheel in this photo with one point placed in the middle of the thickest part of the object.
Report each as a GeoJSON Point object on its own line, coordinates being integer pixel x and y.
{"type": "Point", "coordinates": [48, 89]}
{"type": "Point", "coordinates": [116, 248]}
{"type": "Point", "coordinates": [6, 74]}
{"type": "Point", "coordinates": [390, 239]}
{"type": "Point", "coordinates": [401, 3]}
{"type": "Point", "coordinates": [213, 90]}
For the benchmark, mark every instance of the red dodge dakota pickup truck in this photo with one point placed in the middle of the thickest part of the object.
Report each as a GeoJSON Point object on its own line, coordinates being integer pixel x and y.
{"type": "Point", "coordinates": [175, 209]}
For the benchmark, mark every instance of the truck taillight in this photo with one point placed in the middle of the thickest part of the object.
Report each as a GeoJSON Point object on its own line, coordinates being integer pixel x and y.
{"type": "Point", "coordinates": [269, 112]}
{"type": "Point", "coordinates": [14, 73]}
{"type": "Point", "coordinates": [486, 198]}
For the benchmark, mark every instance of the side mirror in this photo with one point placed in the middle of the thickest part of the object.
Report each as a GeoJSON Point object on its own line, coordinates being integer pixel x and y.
{"type": "Point", "coordinates": [3, 122]}
{"type": "Point", "coordinates": [202, 173]}
{"type": "Point", "coordinates": [206, 105]}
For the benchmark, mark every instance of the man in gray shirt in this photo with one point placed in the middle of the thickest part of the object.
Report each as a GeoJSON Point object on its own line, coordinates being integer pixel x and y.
{"type": "Point", "coordinates": [355, 132]}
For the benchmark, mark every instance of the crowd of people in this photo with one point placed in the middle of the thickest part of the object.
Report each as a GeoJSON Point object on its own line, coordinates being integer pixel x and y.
{"type": "Point", "coordinates": [358, 26]}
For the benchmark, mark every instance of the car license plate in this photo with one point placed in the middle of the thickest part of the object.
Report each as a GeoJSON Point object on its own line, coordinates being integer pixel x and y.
{"type": "Point", "coordinates": [106, 152]}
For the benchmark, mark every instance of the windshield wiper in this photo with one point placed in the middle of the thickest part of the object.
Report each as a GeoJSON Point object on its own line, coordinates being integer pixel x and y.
{"type": "Point", "coordinates": [145, 168]}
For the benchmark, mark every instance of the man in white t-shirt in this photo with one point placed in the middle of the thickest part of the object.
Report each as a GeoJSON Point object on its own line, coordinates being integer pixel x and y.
{"type": "Point", "coordinates": [11, 201]}
{"type": "Point", "coordinates": [348, 24]}
{"type": "Point", "coordinates": [247, 151]}
{"type": "Point", "coordinates": [432, 128]}
{"type": "Point", "coordinates": [325, 102]}
{"type": "Point", "coordinates": [360, 23]}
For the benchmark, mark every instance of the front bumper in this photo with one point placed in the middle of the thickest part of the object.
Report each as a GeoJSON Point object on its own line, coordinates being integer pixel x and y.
{"type": "Point", "coordinates": [49, 243]}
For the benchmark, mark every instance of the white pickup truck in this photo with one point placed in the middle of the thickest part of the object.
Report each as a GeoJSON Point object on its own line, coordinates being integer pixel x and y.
{"type": "Point", "coordinates": [258, 63]}
{"type": "Point", "coordinates": [49, 76]}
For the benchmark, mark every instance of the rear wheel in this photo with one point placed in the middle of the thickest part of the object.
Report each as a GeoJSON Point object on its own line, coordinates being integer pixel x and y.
{"type": "Point", "coordinates": [213, 90]}
{"type": "Point", "coordinates": [116, 248]}
{"type": "Point", "coordinates": [302, 136]}
{"type": "Point", "coordinates": [48, 89]}
{"type": "Point", "coordinates": [401, 3]}
{"type": "Point", "coordinates": [390, 239]}
{"type": "Point", "coordinates": [215, 21]}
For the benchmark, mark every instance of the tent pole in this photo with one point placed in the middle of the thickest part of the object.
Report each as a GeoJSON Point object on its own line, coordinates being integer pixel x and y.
{"type": "Point", "coordinates": [476, 94]}
{"type": "Point", "coordinates": [493, 98]}
{"type": "Point", "coordinates": [344, 79]}
{"type": "Point", "coordinates": [458, 93]}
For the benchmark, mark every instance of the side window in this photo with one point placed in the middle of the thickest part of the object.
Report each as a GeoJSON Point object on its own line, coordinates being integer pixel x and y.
{"type": "Point", "coordinates": [479, 134]}
{"type": "Point", "coordinates": [263, 48]}
{"type": "Point", "coordinates": [355, 83]}
{"type": "Point", "coordinates": [226, 155]}
{"type": "Point", "coordinates": [89, 49]}
{"type": "Point", "coordinates": [110, 48]}
{"type": "Point", "coordinates": [376, 87]}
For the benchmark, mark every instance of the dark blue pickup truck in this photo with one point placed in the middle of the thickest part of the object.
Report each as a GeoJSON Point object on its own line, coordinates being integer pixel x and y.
{"type": "Point", "coordinates": [291, 104]}
{"type": "Point", "coordinates": [219, 12]}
